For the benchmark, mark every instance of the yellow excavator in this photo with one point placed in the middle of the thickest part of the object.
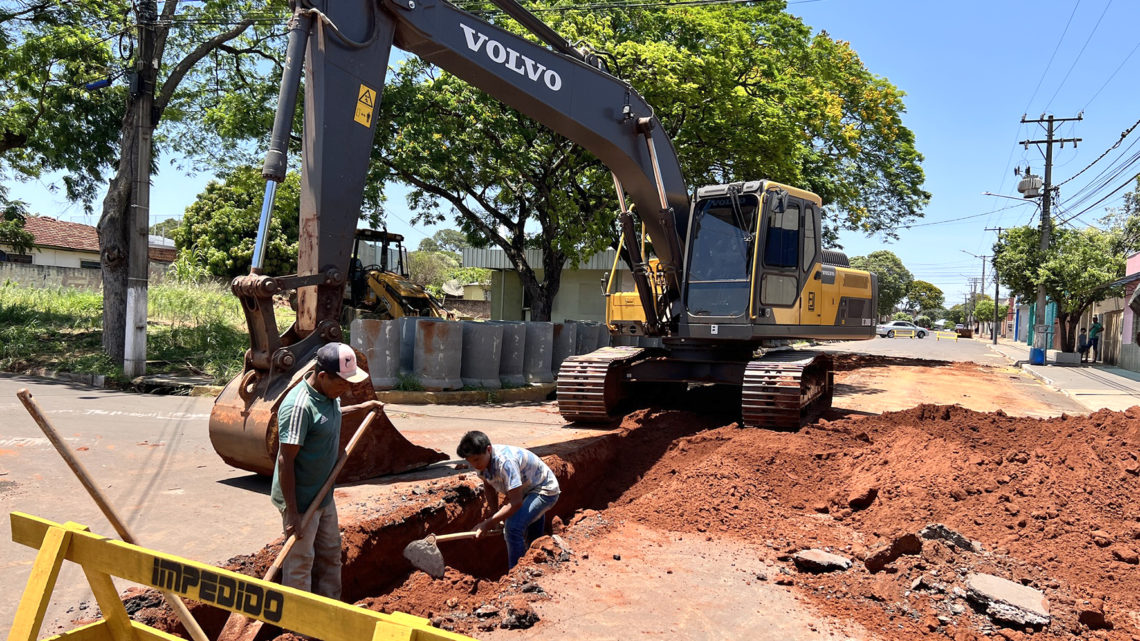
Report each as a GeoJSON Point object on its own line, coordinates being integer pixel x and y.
{"type": "Point", "coordinates": [733, 268]}
{"type": "Point", "coordinates": [384, 290]}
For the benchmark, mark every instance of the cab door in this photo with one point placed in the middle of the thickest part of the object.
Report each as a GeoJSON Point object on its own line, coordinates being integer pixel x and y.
{"type": "Point", "coordinates": [811, 299]}
{"type": "Point", "coordinates": [780, 268]}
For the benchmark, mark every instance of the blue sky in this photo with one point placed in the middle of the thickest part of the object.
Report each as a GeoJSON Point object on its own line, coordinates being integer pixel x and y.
{"type": "Point", "coordinates": [970, 71]}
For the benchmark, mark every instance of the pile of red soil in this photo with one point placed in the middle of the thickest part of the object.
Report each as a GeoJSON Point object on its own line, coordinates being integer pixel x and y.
{"type": "Point", "coordinates": [1055, 504]}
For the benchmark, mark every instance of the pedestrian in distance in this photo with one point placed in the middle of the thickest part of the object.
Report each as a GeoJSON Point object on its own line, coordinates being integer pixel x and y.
{"type": "Point", "coordinates": [308, 432]}
{"type": "Point", "coordinates": [1083, 346]}
{"type": "Point", "coordinates": [528, 483]}
{"type": "Point", "coordinates": [1094, 338]}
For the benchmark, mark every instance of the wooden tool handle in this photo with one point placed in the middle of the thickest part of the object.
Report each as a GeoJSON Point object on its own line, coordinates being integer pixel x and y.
{"type": "Point", "coordinates": [456, 536]}
{"type": "Point", "coordinates": [329, 482]}
{"type": "Point", "coordinates": [173, 601]}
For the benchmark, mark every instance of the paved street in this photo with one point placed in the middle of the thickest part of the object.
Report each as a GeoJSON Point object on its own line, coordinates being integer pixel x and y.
{"type": "Point", "coordinates": [964, 349]}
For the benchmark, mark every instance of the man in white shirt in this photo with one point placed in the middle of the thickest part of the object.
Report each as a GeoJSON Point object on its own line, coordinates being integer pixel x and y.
{"type": "Point", "coordinates": [528, 483]}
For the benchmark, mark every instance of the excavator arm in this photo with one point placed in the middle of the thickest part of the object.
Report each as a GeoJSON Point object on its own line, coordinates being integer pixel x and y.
{"type": "Point", "coordinates": [345, 46]}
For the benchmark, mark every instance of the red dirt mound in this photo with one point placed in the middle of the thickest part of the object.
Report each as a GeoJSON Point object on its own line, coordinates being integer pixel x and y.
{"type": "Point", "coordinates": [1054, 504]}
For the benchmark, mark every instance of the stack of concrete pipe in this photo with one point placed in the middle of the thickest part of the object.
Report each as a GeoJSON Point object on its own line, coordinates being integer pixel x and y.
{"type": "Point", "coordinates": [449, 355]}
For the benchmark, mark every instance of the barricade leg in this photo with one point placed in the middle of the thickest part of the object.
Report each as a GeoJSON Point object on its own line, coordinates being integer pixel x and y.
{"type": "Point", "coordinates": [41, 583]}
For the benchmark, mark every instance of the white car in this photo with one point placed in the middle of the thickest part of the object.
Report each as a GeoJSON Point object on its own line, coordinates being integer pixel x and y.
{"type": "Point", "coordinates": [888, 329]}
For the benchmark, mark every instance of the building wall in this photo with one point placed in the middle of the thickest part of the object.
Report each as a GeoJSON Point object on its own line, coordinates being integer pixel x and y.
{"type": "Point", "coordinates": [52, 276]}
{"type": "Point", "coordinates": [579, 296]}
{"type": "Point", "coordinates": [62, 257]}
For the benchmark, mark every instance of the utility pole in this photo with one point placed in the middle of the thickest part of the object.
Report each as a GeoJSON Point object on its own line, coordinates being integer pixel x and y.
{"type": "Point", "coordinates": [1046, 200]}
{"type": "Point", "coordinates": [134, 345]}
{"type": "Point", "coordinates": [995, 332]}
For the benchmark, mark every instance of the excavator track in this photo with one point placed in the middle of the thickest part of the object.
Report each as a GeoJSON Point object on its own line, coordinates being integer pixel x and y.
{"type": "Point", "coordinates": [783, 390]}
{"type": "Point", "coordinates": [590, 385]}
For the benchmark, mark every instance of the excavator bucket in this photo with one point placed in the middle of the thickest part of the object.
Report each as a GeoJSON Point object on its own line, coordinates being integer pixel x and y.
{"type": "Point", "coordinates": [243, 427]}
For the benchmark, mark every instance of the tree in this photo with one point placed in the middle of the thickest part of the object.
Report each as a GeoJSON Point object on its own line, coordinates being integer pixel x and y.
{"type": "Point", "coordinates": [49, 120]}
{"type": "Point", "coordinates": [183, 35]}
{"type": "Point", "coordinates": [956, 314]}
{"type": "Point", "coordinates": [447, 240]}
{"type": "Point", "coordinates": [166, 227]}
{"type": "Point", "coordinates": [711, 73]}
{"type": "Point", "coordinates": [922, 295]}
{"type": "Point", "coordinates": [935, 313]}
{"type": "Point", "coordinates": [220, 226]}
{"type": "Point", "coordinates": [903, 316]}
{"type": "Point", "coordinates": [12, 232]}
{"type": "Point", "coordinates": [984, 311]}
{"type": "Point", "coordinates": [430, 270]}
{"type": "Point", "coordinates": [922, 321]}
{"type": "Point", "coordinates": [894, 278]}
{"type": "Point", "coordinates": [1077, 268]}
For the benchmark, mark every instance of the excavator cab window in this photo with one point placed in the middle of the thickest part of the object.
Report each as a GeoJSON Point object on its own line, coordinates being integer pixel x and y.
{"type": "Point", "coordinates": [720, 256]}
{"type": "Point", "coordinates": [779, 284]}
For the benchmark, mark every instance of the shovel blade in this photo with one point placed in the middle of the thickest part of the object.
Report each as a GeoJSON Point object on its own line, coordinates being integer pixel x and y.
{"type": "Point", "coordinates": [425, 555]}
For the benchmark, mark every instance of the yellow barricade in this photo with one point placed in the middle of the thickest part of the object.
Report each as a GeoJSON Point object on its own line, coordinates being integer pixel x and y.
{"type": "Point", "coordinates": [315, 616]}
{"type": "Point", "coordinates": [947, 335]}
{"type": "Point", "coordinates": [904, 333]}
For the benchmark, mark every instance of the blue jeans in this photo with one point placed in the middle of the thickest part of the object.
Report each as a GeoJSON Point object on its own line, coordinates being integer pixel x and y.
{"type": "Point", "coordinates": [526, 525]}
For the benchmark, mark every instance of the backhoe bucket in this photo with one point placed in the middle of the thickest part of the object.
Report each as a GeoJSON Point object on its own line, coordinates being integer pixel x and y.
{"type": "Point", "coordinates": [243, 427]}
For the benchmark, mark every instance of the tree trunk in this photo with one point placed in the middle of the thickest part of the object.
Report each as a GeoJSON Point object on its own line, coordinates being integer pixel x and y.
{"type": "Point", "coordinates": [114, 228]}
{"type": "Point", "coordinates": [1067, 324]}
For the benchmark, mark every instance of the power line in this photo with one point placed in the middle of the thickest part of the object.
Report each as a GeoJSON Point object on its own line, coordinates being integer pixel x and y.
{"type": "Point", "coordinates": [954, 220]}
{"type": "Point", "coordinates": [1086, 44]}
{"type": "Point", "coordinates": [1123, 135]}
{"type": "Point", "coordinates": [1118, 68]}
{"type": "Point", "coordinates": [1051, 57]}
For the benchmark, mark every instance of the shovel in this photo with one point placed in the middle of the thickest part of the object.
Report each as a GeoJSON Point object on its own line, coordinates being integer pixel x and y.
{"type": "Point", "coordinates": [238, 627]}
{"type": "Point", "coordinates": [425, 555]}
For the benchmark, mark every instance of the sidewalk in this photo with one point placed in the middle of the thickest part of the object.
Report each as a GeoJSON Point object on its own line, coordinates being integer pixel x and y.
{"type": "Point", "coordinates": [1095, 386]}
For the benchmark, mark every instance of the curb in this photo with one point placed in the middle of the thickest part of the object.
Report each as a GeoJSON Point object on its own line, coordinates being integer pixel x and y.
{"type": "Point", "coordinates": [532, 393]}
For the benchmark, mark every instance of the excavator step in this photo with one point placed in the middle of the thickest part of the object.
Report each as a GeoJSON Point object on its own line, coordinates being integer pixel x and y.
{"type": "Point", "coordinates": [590, 385]}
{"type": "Point", "coordinates": [784, 389]}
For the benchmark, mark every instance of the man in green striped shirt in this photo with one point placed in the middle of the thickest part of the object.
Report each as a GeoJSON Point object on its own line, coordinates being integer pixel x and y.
{"type": "Point", "coordinates": [308, 432]}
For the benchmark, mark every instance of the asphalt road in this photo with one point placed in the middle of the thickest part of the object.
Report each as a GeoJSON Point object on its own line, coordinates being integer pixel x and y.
{"type": "Point", "coordinates": [964, 349]}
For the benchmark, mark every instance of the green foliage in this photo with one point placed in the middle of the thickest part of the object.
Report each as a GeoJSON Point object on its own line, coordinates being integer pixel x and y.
{"type": "Point", "coordinates": [894, 278]}
{"type": "Point", "coordinates": [431, 270]}
{"type": "Point", "coordinates": [814, 117]}
{"type": "Point", "coordinates": [408, 383]}
{"type": "Point", "coordinates": [48, 120]}
{"type": "Point", "coordinates": [903, 316]}
{"type": "Point", "coordinates": [192, 329]}
{"type": "Point", "coordinates": [1076, 269]}
{"type": "Point", "coordinates": [922, 321]}
{"type": "Point", "coordinates": [922, 295]}
{"type": "Point", "coordinates": [446, 240]}
{"type": "Point", "coordinates": [166, 227]}
{"type": "Point", "coordinates": [984, 310]}
{"type": "Point", "coordinates": [12, 216]}
{"type": "Point", "coordinates": [469, 275]}
{"type": "Point", "coordinates": [956, 314]}
{"type": "Point", "coordinates": [220, 227]}
{"type": "Point", "coordinates": [935, 313]}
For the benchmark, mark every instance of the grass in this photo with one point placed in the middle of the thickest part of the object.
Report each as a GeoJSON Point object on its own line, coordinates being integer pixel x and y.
{"type": "Point", "coordinates": [192, 328]}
